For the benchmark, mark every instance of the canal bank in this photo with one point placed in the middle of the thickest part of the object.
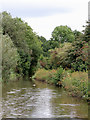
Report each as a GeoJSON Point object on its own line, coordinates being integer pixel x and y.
{"type": "Point", "coordinates": [76, 83]}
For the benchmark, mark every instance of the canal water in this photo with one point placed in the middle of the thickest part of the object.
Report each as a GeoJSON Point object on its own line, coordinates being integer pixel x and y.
{"type": "Point", "coordinates": [21, 100]}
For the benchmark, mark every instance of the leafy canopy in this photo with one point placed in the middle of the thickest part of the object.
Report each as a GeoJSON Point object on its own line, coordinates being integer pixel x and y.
{"type": "Point", "coordinates": [63, 34]}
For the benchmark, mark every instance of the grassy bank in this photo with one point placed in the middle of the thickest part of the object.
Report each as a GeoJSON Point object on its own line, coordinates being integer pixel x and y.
{"type": "Point", "coordinates": [76, 83]}
{"type": "Point", "coordinates": [45, 75]}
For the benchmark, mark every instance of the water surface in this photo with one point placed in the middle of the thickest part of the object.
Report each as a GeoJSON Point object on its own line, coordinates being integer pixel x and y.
{"type": "Point", "coordinates": [22, 100]}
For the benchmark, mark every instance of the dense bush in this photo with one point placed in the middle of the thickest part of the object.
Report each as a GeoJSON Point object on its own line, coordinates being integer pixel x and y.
{"type": "Point", "coordinates": [58, 56]}
{"type": "Point", "coordinates": [49, 76]}
{"type": "Point", "coordinates": [45, 75]}
{"type": "Point", "coordinates": [78, 55]}
{"type": "Point", "coordinates": [58, 77]}
{"type": "Point", "coordinates": [72, 56]}
{"type": "Point", "coordinates": [76, 83]}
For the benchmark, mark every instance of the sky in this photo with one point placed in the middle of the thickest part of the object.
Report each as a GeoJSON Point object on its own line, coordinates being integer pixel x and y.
{"type": "Point", "coordinates": [44, 15]}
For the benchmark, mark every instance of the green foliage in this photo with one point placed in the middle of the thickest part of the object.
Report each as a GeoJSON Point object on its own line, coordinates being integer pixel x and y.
{"type": "Point", "coordinates": [78, 55]}
{"type": "Point", "coordinates": [15, 28]}
{"type": "Point", "coordinates": [35, 49]}
{"type": "Point", "coordinates": [58, 76]}
{"type": "Point", "coordinates": [58, 56]}
{"type": "Point", "coordinates": [77, 34]}
{"type": "Point", "coordinates": [45, 46]}
{"type": "Point", "coordinates": [50, 76]}
{"type": "Point", "coordinates": [76, 83]}
{"type": "Point", "coordinates": [10, 57]}
{"type": "Point", "coordinates": [45, 75]}
{"type": "Point", "coordinates": [25, 40]}
{"type": "Point", "coordinates": [53, 43]}
{"type": "Point", "coordinates": [44, 62]}
{"type": "Point", "coordinates": [63, 34]}
{"type": "Point", "coordinates": [70, 56]}
{"type": "Point", "coordinates": [24, 52]}
{"type": "Point", "coordinates": [86, 36]}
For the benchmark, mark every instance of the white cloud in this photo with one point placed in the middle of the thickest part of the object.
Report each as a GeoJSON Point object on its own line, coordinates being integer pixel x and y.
{"type": "Point", "coordinates": [44, 15]}
{"type": "Point", "coordinates": [76, 19]}
{"type": "Point", "coordinates": [35, 8]}
{"type": "Point", "coordinates": [45, 25]}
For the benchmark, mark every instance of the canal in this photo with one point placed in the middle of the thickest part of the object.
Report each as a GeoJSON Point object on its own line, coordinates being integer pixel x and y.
{"type": "Point", "coordinates": [21, 100]}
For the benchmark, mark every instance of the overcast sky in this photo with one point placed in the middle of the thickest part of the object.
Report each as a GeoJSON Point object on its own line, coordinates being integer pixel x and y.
{"type": "Point", "coordinates": [44, 15]}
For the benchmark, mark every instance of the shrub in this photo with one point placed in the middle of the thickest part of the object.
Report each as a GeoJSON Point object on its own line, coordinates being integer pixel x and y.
{"type": "Point", "coordinates": [58, 77]}
{"type": "Point", "coordinates": [45, 75]}
{"type": "Point", "coordinates": [76, 83]}
{"type": "Point", "coordinates": [50, 76]}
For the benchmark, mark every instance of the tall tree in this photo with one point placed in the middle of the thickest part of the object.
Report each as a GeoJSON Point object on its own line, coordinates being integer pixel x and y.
{"type": "Point", "coordinates": [24, 39]}
{"type": "Point", "coordinates": [63, 34]}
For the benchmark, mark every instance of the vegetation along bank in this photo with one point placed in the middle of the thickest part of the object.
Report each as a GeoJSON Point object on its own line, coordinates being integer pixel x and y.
{"type": "Point", "coordinates": [62, 60]}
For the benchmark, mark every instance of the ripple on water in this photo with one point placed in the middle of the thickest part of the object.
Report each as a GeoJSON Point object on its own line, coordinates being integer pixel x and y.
{"type": "Point", "coordinates": [18, 90]}
{"type": "Point", "coordinates": [23, 101]}
{"type": "Point", "coordinates": [24, 88]}
{"type": "Point", "coordinates": [70, 104]}
{"type": "Point", "coordinates": [11, 92]}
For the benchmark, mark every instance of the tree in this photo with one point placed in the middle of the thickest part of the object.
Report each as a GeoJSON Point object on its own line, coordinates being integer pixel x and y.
{"type": "Point", "coordinates": [58, 56]}
{"type": "Point", "coordinates": [10, 57]}
{"type": "Point", "coordinates": [53, 43]}
{"type": "Point", "coordinates": [45, 46]}
{"type": "Point", "coordinates": [63, 34]}
{"type": "Point", "coordinates": [25, 40]}
{"type": "Point", "coordinates": [77, 34]}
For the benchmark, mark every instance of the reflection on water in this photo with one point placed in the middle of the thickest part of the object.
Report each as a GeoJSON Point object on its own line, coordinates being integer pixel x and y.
{"type": "Point", "coordinates": [22, 100]}
{"type": "Point", "coordinates": [42, 104]}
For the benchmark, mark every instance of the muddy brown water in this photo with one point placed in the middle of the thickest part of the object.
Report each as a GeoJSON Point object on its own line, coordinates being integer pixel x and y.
{"type": "Point", "coordinates": [21, 100]}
